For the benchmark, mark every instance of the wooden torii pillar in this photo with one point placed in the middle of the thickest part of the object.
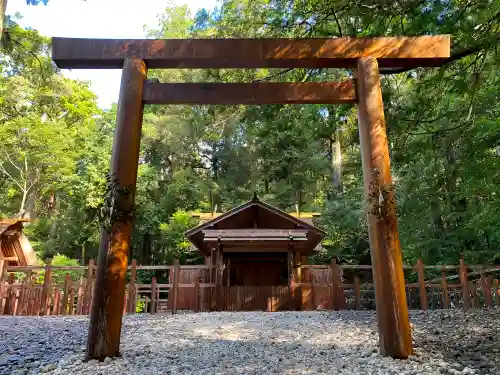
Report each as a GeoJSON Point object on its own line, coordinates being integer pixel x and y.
{"type": "Point", "coordinates": [387, 263]}
{"type": "Point", "coordinates": [109, 295]}
{"type": "Point", "coordinates": [363, 54]}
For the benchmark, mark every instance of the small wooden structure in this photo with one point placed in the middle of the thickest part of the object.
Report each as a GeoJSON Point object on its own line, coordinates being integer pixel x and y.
{"type": "Point", "coordinates": [255, 244]}
{"type": "Point", "coordinates": [364, 55]}
{"type": "Point", "coordinates": [15, 248]}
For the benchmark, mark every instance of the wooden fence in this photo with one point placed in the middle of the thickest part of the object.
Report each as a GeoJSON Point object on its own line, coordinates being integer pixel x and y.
{"type": "Point", "coordinates": [468, 286]}
{"type": "Point", "coordinates": [68, 290]}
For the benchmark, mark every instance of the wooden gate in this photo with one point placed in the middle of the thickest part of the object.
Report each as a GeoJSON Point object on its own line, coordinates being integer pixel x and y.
{"type": "Point", "coordinates": [255, 298]}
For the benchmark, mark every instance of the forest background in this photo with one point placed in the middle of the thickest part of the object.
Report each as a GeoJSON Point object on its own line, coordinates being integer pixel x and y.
{"type": "Point", "coordinates": [443, 126]}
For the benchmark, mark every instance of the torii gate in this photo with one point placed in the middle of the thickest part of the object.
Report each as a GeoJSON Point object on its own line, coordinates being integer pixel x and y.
{"type": "Point", "coordinates": [364, 55]}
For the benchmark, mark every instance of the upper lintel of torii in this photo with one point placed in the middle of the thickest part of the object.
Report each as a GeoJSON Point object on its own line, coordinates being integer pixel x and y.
{"type": "Point", "coordinates": [391, 52]}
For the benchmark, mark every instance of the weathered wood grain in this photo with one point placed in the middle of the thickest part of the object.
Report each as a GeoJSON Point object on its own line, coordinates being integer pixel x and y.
{"type": "Point", "coordinates": [250, 93]}
{"type": "Point", "coordinates": [392, 309]}
{"type": "Point", "coordinates": [73, 53]}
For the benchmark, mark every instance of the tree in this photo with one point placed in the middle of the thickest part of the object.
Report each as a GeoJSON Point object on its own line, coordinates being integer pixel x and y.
{"type": "Point", "coordinates": [3, 8]}
{"type": "Point", "coordinates": [442, 123]}
{"type": "Point", "coordinates": [44, 118]}
{"type": "Point", "coordinates": [173, 241]}
{"type": "Point", "coordinates": [49, 132]}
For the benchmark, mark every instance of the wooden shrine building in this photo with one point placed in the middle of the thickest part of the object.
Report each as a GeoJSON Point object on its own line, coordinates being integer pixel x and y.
{"type": "Point", "coordinates": [256, 250]}
{"type": "Point", "coordinates": [256, 244]}
{"type": "Point", "coordinates": [15, 249]}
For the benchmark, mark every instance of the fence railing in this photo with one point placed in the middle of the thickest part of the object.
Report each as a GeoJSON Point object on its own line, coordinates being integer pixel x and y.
{"type": "Point", "coordinates": [470, 286]}
{"type": "Point", "coordinates": [68, 290]}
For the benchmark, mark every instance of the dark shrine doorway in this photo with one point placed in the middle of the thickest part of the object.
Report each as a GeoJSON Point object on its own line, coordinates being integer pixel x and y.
{"type": "Point", "coordinates": [256, 269]}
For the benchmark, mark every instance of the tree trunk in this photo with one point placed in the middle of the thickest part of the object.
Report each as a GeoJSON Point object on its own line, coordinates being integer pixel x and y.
{"type": "Point", "coordinates": [299, 202]}
{"type": "Point", "coordinates": [51, 204]}
{"type": "Point", "coordinates": [336, 164]}
{"type": "Point", "coordinates": [146, 249]}
{"type": "Point", "coordinates": [23, 203]}
{"type": "Point", "coordinates": [437, 217]}
{"type": "Point", "coordinates": [82, 255]}
{"type": "Point", "coordinates": [3, 8]}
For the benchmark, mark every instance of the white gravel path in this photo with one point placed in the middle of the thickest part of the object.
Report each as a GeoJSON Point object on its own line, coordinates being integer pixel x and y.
{"type": "Point", "coordinates": [446, 342]}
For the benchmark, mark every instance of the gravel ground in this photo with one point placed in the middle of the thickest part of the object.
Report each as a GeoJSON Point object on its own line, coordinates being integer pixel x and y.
{"type": "Point", "coordinates": [446, 342]}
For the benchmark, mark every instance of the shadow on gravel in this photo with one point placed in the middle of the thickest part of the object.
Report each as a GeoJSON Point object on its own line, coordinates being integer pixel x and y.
{"type": "Point", "coordinates": [466, 339]}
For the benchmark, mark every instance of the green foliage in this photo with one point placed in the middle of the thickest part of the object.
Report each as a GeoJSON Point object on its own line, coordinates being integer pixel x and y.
{"type": "Point", "coordinates": [172, 237]}
{"type": "Point", "coordinates": [55, 147]}
{"type": "Point", "coordinates": [140, 305]}
{"type": "Point", "coordinates": [58, 277]}
{"type": "Point", "coordinates": [443, 126]}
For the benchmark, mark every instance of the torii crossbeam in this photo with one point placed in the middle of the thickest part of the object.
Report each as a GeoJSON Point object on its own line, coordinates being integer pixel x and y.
{"type": "Point", "coordinates": [363, 55]}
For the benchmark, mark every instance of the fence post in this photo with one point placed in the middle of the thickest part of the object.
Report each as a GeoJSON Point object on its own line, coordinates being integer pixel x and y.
{"type": "Point", "coordinates": [29, 292]}
{"type": "Point", "coordinates": [153, 295]}
{"type": "Point", "coordinates": [90, 282]}
{"type": "Point", "coordinates": [131, 287]}
{"type": "Point", "coordinates": [444, 288]}
{"type": "Point", "coordinates": [333, 269]}
{"type": "Point", "coordinates": [46, 288]}
{"type": "Point", "coordinates": [3, 264]}
{"type": "Point", "coordinates": [475, 299]}
{"type": "Point", "coordinates": [424, 302]}
{"type": "Point", "coordinates": [20, 298]}
{"type": "Point", "coordinates": [23, 297]}
{"type": "Point", "coordinates": [3, 288]}
{"type": "Point", "coordinates": [218, 278]}
{"type": "Point", "coordinates": [15, 299]}
{"type": "Point", "coordinates": [305, 290]}
{"type": "Point", "coordinates": [486, 286]}
{"type": "Point", "coordinates": [291, 282]}
{"type": "Point", "coordinates": [357, 293]}
{"type": "Point", "coordinates": [497, 292]}
{"type": "Point", "coordinates": [210, 291]}
{"type": "Point", "coordinates": [57, 300]}
{"type": "Point", "coordinates": [175, 285]}
{"type": "Point", "coordinates": [197, 294]}
{"type": "Point", "coordinates": [67, 286]}
{"type": "Point", "coordinates": [125, 303]}
{"type": "Point", "coordinates": [72, 301]}
{"type": "Point", "coordinates": [313, 292]}
{"type": "Point", "coordinates": [298, 282]}
{"type": "Point", "coordinates": [338, 299]}
{"type": "Point", "coordinates": [9, 294]}
{"type": "Point", "coordinates": [464, 280]}
{"type": "Point", "coordinates": [36, 302]}
{"type": "Point", "coordinates": [81, 292]}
